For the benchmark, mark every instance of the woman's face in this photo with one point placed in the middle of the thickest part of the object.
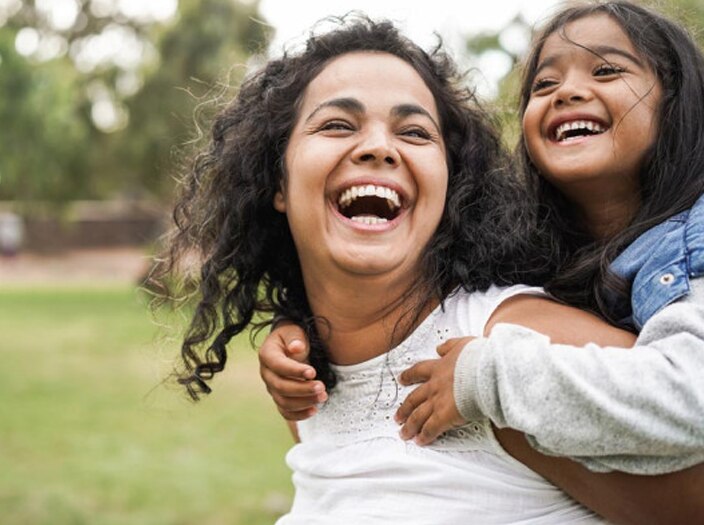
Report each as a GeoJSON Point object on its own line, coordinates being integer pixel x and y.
{"type": "Point", "coordinates": [592, 112]}
{"type": "Point", "coordinates": [366, 171]}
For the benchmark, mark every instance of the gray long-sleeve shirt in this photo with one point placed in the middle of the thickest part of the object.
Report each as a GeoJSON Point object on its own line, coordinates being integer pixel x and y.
{"type": "Point", "coordinates": [637, 410]}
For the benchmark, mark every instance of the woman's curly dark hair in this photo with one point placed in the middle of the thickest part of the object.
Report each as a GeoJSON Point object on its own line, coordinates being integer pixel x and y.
{"type": "Point", "coordinates": [226, 216]}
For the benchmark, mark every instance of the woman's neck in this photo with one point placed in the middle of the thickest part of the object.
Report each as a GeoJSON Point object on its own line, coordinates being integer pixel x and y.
{"type": "Point", "coordinates": [364, 317]}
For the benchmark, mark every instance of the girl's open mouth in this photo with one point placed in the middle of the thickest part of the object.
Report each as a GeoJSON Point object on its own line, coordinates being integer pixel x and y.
{"type": "Point", "coordinates": [577, 129]}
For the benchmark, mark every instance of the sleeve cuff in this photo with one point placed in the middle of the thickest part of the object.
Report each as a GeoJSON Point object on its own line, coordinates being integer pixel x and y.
{"type": "Point", "coordinates": [466, 387]}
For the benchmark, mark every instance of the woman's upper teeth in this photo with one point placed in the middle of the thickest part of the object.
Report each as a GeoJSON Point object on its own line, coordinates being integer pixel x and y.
{"type": "Point", "coordinates": [563, 130]}
{"type": "Point", "coordinates": [369, 190]}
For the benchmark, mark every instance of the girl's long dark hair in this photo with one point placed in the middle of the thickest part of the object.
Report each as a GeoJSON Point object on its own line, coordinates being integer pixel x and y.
{"type": "Point", "coordinates": [672, 177]}
{"type": "Point", "coordinates": [225, 215]}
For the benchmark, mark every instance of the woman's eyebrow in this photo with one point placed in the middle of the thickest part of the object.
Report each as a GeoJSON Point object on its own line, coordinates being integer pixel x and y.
{"type": "Point", "coordinates": [347, 103]}
{"type": "Point", "coordinates": [405, 110]}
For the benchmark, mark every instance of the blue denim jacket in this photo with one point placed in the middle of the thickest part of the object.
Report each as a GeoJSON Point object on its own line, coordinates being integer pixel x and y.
{"type": "Point", "coordinates": [660, 263]}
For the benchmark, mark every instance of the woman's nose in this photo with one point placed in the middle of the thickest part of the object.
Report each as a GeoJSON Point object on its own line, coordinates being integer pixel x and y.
{"type": "Point", "coordinates": [376, 147]}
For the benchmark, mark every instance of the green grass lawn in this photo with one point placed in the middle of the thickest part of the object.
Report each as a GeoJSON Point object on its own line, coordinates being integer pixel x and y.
{"type": "Point", "coordinates": [90, 434]}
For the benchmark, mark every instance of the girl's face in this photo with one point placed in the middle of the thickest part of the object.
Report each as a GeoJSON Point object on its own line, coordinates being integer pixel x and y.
{"type": "Point", "coordinates": [366, 171]}
{"type": "Point", "coordinates": [592, 112]}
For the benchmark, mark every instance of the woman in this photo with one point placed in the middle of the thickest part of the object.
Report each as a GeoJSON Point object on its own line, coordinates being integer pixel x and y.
{"type": "Point", "coordinates": [560, 475]}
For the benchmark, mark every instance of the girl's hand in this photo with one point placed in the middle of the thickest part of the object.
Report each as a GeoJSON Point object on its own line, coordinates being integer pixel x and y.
{"type": "Point", "coordinates": [289, 379]}
{"type": "Point", "coordinates": [430, 409]}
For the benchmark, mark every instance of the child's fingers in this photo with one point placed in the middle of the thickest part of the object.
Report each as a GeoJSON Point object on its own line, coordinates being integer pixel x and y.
{"type": "Point", "coordinates": [290, 387]}
{"type": "Point", "coordinates": [295, 400]}
{"type": "Point", "coordinates": [294, 340]}
{"type": "Point", "coordinates": [413, 400]}
{"type": "Point", "coordinates": [451, 344]}
{"type": "Point", "coordinates": [432, 428]}
{"type": "Point", "coordinates": [285, 351]}
{"type": "Point", "coordinates": [299, 415]}
{"type": "Point", "coordinates": [416, 421]}
{"type": "Point", "coordinates": [273, 357]}
{"type": "Point", "coordinates": [418, 373]}
{"type": "Point", "coordinates": [295, 404]}
{"type": "Point", "coordinates": [297, 349]}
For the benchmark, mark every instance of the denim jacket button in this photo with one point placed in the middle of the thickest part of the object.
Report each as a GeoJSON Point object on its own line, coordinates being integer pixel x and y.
{"type": "Point", "coordinates": [667, 279]}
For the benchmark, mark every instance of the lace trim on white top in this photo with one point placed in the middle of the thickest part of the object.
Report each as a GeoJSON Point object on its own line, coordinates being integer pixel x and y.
{"type": "Point", "coordinates": [362, 405]}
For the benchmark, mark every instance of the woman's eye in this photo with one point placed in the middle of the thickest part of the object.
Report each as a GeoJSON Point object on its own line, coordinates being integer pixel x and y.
{"type": "Point", "coordinates": [605, 70]}
{"type": "Point", "coordinates": [542, 83]}
{"type": "Point", "coordinates": [336, 125]}
{"type": "Point", "coordinates": [417, 133]}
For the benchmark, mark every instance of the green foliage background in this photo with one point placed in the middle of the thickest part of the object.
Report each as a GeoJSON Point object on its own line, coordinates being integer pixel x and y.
{"type": "Point", "coordinates": [50, 150]}
{"type": "Point", "coordinates": [91, 434]}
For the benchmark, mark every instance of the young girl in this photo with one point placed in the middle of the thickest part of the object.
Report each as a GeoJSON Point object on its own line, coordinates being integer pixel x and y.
{"type": "Point", "coordinates": [352, 188]}
{"type": "Point", "coordinates": [613, 105]}
{"type": "Point", "coordinates": [613, 108]}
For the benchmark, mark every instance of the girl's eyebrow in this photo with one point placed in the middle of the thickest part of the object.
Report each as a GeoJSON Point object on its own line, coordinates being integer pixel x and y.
{"type": "Point", "coordinates": [599, 51]}
{"type": "Point", "coordinates": [610, 50]}
{"type": "Point", "coordinates": [355, 106]}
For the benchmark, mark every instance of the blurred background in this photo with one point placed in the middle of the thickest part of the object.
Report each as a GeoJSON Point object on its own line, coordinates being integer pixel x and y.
{"type": "Point", "coordinates": [102, 102]}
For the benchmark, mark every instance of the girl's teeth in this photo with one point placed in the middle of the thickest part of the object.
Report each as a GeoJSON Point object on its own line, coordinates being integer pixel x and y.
{"type": "Point", "coordinates": [589, 125]}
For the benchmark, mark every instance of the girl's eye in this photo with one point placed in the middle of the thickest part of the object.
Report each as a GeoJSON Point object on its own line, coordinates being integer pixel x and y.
{"type": "Point", "coordinates": [542, 83]}
{"type": "Point", "coordinates": [606, 70]}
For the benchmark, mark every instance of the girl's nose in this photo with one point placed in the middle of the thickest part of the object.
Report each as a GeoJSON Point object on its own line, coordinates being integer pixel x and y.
{"type": "Point", "coordinates": [571, 91]}
{"type": "Point", "coordinates": [376, 147]}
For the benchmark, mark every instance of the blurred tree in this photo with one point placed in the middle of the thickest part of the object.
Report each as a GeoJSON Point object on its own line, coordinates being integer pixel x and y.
{"type": "Point", "coordinates": [44, 128]}
{"type": "Point", "coordinates": [690, 13]}
{"type": "Point", "coordinates": [202, 54]}
{"type": "Point", "coordinates": [95, 98]}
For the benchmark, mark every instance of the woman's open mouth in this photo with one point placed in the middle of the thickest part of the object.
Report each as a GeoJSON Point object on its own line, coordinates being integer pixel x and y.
{"type": "Point", "coordinates": [369, 204]}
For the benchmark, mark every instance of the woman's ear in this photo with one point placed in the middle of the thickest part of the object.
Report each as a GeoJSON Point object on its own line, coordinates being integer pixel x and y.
{"type": "Point", "coordinates": [280, 202]}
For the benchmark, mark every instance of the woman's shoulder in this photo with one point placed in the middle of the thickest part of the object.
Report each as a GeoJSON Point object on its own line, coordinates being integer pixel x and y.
{"type": "Point", "coordinates": [472, 310]}
{"type": "Point", "coordinates": [494, 295]}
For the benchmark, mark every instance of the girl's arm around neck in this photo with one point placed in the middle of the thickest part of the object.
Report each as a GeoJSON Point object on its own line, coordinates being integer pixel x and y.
{"type": "Point", "coordinates": [563, 324]}
{"type": "Point", "coordinates": [669, 359]}
{"type": "Point", "coordinates": [637, 410]}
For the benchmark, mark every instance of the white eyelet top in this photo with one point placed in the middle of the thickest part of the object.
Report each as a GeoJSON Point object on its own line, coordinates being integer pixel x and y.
{"type": "Point", "coordinates": [351, 467]}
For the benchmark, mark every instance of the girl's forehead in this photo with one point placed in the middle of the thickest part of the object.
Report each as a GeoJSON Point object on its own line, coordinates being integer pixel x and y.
{"type": "Point", "coordinates": [589, 33]}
